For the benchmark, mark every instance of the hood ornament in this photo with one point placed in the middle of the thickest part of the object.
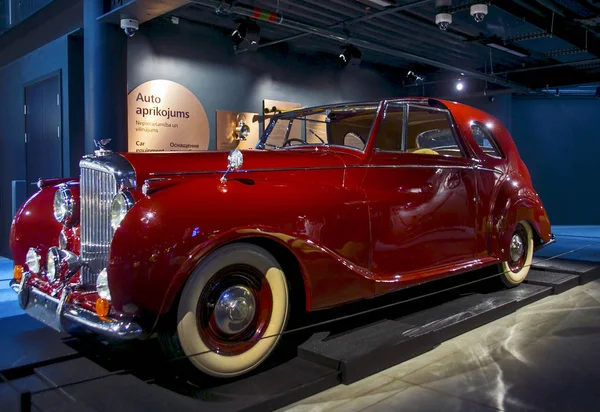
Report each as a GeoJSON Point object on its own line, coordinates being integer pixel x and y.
{"type": "Point", "coordinates": [235, 159]}
{"type": "Point", "coordinates": [101, 144]}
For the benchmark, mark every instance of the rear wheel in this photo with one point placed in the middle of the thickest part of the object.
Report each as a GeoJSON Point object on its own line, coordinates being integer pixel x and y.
{"type": "Point", "coordinates": [516, 269]}
{"type": "Point", "coordinates": [232, 311]}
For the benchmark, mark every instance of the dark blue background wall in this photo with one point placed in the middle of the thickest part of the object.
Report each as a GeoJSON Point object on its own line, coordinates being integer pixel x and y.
{"type": "Point", "coordinates": [13, 80]}
{"type": "Point", "coordinates": [558, 140]}
{"type": "Point", "coordinates": [202, 59]}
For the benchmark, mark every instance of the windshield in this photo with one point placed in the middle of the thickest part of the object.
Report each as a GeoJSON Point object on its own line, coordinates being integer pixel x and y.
{"type": "Point", "coordinates": [348, 126]}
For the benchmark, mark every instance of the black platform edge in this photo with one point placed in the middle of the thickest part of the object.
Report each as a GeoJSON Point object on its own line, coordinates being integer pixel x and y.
{"type": "Point", "coordinates": [27, 343]}
{"type": "Point", "coordinates": [559, 282]}
{"type": "Point", "coordinates": [525, 294]}
{"type": "Point", "coordinates": [587, 271]}
{"type": "Point", "coordinates": [268, 390]}
{"type": "Point", "coordinates": [379, 346]}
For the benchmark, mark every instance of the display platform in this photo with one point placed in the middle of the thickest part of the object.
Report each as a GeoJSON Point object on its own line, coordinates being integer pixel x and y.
{"type": "Point", "coordinates": [56, 372]}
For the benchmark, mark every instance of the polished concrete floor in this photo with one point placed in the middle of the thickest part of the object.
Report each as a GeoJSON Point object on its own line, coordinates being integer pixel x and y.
{"type": "Point", "coordinates": [544, 357]}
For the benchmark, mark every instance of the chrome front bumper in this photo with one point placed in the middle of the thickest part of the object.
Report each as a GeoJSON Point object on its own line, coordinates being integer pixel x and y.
{"type": "Point", "coordinates": [59, 315]}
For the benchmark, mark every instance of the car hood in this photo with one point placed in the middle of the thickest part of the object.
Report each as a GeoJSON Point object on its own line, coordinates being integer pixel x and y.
{"type": "Point", "coordinates": [151, 165]}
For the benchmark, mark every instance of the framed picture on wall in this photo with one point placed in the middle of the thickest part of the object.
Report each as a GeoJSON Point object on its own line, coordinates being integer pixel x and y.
{"type": "Point", "coordinates": [237, 130]}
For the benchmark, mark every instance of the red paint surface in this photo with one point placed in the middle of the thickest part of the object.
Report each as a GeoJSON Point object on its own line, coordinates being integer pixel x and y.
{"type": "Point", "coordinates": [356, 230]}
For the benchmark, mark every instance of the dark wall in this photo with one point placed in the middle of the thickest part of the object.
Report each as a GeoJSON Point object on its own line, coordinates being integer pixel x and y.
{"type": "Point", "coordinates": [499, 106]}
{"type": "Point", "coordinates": [14, 77]}
{"type": "Point", "coordinates": [202, 59]}
{"type": "Point", "coordinates": [558, 140]}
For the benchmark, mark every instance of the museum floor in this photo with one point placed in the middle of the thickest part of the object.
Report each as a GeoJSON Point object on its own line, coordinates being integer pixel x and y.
{"type": "Point", "coordinates": [542, 356]}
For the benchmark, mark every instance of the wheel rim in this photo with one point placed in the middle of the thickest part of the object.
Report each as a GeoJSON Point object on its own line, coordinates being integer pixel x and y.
{"type": "Point", "coordinates": [518, 249]}
{"type": "Point", "coordinates": [234, 309]}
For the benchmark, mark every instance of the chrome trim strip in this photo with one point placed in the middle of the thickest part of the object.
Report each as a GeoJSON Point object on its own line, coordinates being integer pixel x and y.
{"type": "Point", "coordinates": [71, 317]}
{"type": "Point", "coordinates": [543, 245]}
{"type": "Point", "coordinates": [292, 169]}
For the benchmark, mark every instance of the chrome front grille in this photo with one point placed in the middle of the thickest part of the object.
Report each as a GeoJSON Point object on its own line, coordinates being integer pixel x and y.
{"type": "Point", "coordinates": [98, 187]}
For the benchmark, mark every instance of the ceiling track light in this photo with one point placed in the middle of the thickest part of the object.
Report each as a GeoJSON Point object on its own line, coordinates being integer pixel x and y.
{"type": "Point", "coordinates": [349, 54]}
{"type": "Point", "coordinates": [460, 85]}
{"type": "Point", "coordinates": [379, 4]}
{"type": "Point", "coordinates": [246, 36]}
{"type": "Point", "coordinates": [506, 49]}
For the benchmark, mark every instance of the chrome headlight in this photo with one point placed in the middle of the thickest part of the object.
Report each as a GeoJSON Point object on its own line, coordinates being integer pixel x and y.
{"type": "Point", "coordinates": [64, 205]}
{"type": "Point", "coordinates": [102, 285]}
{"type": "Point", "coordinates": [32, 260]}
{"type": "Point", "coordinates": [121, 204]}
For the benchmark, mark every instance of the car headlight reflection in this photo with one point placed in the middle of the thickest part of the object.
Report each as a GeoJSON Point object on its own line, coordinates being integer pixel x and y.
{"type": "Point", "coordinates": [121, 204]}
{"type": "Point", "coordinates": [102, 285]}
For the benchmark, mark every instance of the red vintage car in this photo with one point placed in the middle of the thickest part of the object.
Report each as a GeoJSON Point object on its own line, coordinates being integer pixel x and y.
{"type": "Point", "coordinates": [336, 204]}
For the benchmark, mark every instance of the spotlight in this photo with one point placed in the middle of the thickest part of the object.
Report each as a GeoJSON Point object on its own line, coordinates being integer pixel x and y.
{"type": "Point", "coordinates": [246, 36]}
{"type": "Point", "coordinates": [479, 11]}
{"type": "Point", "coordinates": [349, 54]}
{"type": "Point", "coordinates": [460, 85]}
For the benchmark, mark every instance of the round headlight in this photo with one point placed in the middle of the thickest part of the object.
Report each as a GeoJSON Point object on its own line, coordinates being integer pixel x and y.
{"type": "Point", "coordinates": [53, 260]}
{"type": "Point", "coordinates": [121, 204]}
{"type": "Point", "coordinates": [102, 285]}
{"type": "Point", "coordinates": [64, 205]}
{"type": "Point", "coordinates": [32, 260]}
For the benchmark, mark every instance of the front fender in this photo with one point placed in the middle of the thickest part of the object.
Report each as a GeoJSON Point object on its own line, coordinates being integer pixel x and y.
{"type": "Point", "coordinates": [34, 225]}
{"type": "Point", "coordinates": [166, 234]}
{"type": "Point", "coordinates": [517, 201]}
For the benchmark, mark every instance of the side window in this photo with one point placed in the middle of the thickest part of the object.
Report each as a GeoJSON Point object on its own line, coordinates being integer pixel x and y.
{"type": "Point", "coordinates": [389, 137]}
{"type": "Point", "coordinates": [486, 140]}
{"type": "Point", "coordinates": [430, 132]}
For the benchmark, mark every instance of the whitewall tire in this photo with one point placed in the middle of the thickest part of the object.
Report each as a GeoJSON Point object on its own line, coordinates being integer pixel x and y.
{"type": "Point", "coordinates": [515, 270]}
{"type": "Point", "coordinates": [232, 310]}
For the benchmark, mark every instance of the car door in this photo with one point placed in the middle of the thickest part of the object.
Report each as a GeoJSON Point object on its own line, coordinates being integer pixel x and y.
{"type": "Point", "coordinates": [421, 192]}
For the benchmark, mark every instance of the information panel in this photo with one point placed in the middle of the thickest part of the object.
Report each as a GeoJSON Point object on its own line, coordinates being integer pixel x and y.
{"type": "Point", "coordinates": [165, 116]}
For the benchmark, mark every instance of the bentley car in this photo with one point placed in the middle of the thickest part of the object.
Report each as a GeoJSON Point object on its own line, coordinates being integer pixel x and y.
{"type": "Point", "coordinates": [212, 252]}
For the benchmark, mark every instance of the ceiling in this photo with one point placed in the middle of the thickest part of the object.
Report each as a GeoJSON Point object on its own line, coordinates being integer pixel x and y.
{"type": "Point", "coordinates": [559, 40]}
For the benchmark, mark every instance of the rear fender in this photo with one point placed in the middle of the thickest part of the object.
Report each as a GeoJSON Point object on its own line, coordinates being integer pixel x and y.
{"type": "Point", "coordinates": [516, 202]}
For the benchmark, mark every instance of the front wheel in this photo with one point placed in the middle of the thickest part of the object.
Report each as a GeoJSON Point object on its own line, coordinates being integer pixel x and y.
{"type": "Point", "coordinates": [516, 269]}
{"type": "Point", "coordinates": [232, 310]}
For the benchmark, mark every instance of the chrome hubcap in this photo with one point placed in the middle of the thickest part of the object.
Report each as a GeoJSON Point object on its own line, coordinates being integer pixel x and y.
{"type": "Point", "coordinates": [235, 309]}
{"type": "Point", "coordinates": [516, 248]}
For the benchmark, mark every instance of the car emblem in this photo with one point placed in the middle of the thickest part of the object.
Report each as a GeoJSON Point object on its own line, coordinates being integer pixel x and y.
{"type": "Point", "coordinates": [101, 144]}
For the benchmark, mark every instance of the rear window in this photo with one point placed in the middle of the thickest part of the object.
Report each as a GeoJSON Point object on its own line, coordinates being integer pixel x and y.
{"type": "Point", "coordinates": [485, 140]}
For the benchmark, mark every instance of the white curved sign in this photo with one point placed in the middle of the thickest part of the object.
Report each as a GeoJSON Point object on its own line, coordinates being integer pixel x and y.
{"type": "Point", "coordinates": [165, 116]}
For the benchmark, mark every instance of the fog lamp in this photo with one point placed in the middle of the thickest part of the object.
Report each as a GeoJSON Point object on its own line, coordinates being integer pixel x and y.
{"type": "Point", "coordinates": [102, 307]}
{"type": "Point", "coordinates": [53, 264]}
{"type": "Point", "coordinates": [18, 272]}
{"type": "Point", "coordinates": [61, 263]}
{"type": "Point", "coordinates": [32, 260]}
{"type": "Point", "coordinates": [102, 285]}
